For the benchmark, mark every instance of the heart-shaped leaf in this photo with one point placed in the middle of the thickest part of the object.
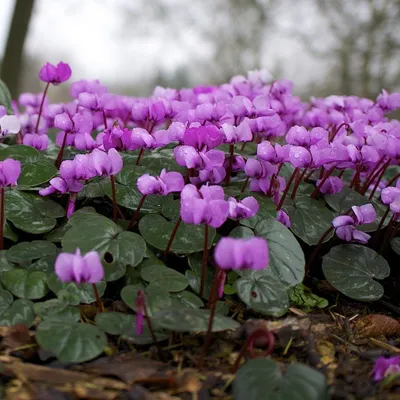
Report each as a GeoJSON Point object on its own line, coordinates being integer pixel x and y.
{"type": "Point", "coordinates": [28, 251]}
{"type": "Point", "coordinates": [71, 342]}
{"type": "Point", "coordinates": [20, 312]}
{"type": "Point", "coordinates": [156, 231]}
{"type": "Point", "coordinates": [56, 309]}
{"type": "Point", "coordinates": [83, 291]}
{"type": "Point", "coordinates": [35, 168]}
{"type": "Point", "coordinates": [351, 269]}
{"type": "Point", "coordinates": [395, 245]}
{"type": "Point", "coordinates": [168, 278]}
{"type": "Point", "coordinates": [25, 284]}
{"type": "Point", "coordinates": [193, 275]}
{"type": "Point", "coordinates": [286, 258]}
{"type": "Point", "coordinates": [267, 210]}
{"type": "Point", "coordinates": [263, 292]}
{"type": "Point", "coordinates": [194, 321]}
{"type": "Point", "coordinates": [261, 378]}
{"type": "Point", "coordinates": [6, 298]}
{"type": "Point", "coordinates": [31, 213]}
{"type": "Point", "coordinates": [114, 323]}
{"type": "Point", "coordinates": [130, 335]}
{"type": "Point", "coordinates": [186, 299]}
{"type": "Point", "coordinates": [241, 232]}
{"type": "Point", "coordinates": [310, 219]}
{"type": "Point", "coordinates": [119, 249]}
{"type": "Point", "coordinates": [5, 97]}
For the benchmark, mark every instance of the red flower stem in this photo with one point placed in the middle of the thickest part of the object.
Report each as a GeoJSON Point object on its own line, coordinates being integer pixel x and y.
{"type": "Point", "coordinates": [328, 173]}
{"type": "Point", "coordinates": [61, 151]}
{"type": "Point", "coordinates": [382, 220]}
{"type": "Point", "coordinates": [243, 146]}
{"type": "Point", "coordinates": [341, 173]}
{"type": "Point", "coordinates": [230, 165]}
{"type": "Point", "coordinates": [372, 175]}
{"type": "Point", "coordinates": [308, 176]}
{"type": "Point", "coordinates": [140, 156]}
{"type": "Point", "coordinates": [114, 199]}
{"type": "Point", "coordinates": [150, 326]}
{"type": "Point", "coordinates": [99, 303]}
{"type": "Point", "coordinates": [287, 189]}
{"type": "Point", "coordinates": [214, 287]}
{"type": "Point", "coordinates": [136, 213]}
{"type": "Point", "coordinates": [173, 234]}
{"type": "Point", "coordinates": [104, 119]}
{"type": "Point", "coordinates": [379, 178]}
{"type": "Point", "coordinates": [2, 221]}
{"type": "Point", "coordinates": [393, 179]}
{"type": "Point", "coordinates": [297, 184]}
{"type": "Point", "coordinates": [204, 264]}
{"type": "Point", "coordinates": [338, 129]}
{"type": "Point", "coordinates": [41, 106]}
{"type": "Point", "coordinates": [388, 233]}
{"type": "Point", "coordinates": [207, 341]}
{"type": "Point", "coordinates": [245, 184]}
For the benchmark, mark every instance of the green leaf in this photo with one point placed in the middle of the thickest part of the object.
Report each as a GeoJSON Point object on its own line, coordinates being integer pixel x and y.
{"type": "Point", "coordinates": [194, 321]}
{"type": "Point", "coordinates": [193, 275]}
{"type": "Point", "coordinates": [171, 208]}
{"type": "Point", "coordinates": [57, 310]}
{"type": "Point", "coordinates": [156, 231]}
{"type": "Point", "coordinates": [130, 335]}
{"type": "Point", "coordinates": [9, 232]}
{"type": "Point", "coordinates": [263, 292]}
{"type": "Point", "coordinates": [310, 219]}
{"type": "Point", "coordinates": [6, 298]}
{"type": "Point", "coordinates": [241, 232]}
{"type": "Point", "coordinates": [35, 168]}
{"type": "Point", "coordinates": [303, 298]}
{"type": "Point", "coordinates": [186, 299]}
{"type": "Point", "coordinates": [20, 312]}
{"type": "Point", "coordinates": [71, 342]}
{"type": "Point", "coordinates": [395, 245]}
{"type": "Point", "coordinates": [25, 284]}
{"type": "Point", "coordinates": [114, 323]}
{"type": "Point", "coordinates": [351, 269]}
{"type": "Point", "coordinates": [261, 378]}
{"type": "Point", "coordinates": [45, 264]}
{"type": "Point", "coordinates": [84, 291]}
{"type": "Point", "coordinates": [168, 278]}
{"type": "Point", "coordinates": [117, 248]}
{"type": "Point", "coordinates": [5, 97]}
{"type": "Point", "coordinates": [286, 258]}
{"type": "Point", "coordinates": [344, 200]}
{"type": "Point", "coordinates": [5, 265]}
{"type": "Point", "coordinates": [31, 213]}
{"type": "Point", "coordinates": [28, 251]}
{"type": "Point", "coordinates": [156, 160]}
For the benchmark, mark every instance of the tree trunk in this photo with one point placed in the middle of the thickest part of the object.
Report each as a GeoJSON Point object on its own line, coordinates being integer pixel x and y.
{"type": "Point", "coordinates": [12, 61]}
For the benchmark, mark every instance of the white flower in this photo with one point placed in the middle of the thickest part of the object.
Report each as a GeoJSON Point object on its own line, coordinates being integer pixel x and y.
{"type": "Point", "coordinates": [9, 124]}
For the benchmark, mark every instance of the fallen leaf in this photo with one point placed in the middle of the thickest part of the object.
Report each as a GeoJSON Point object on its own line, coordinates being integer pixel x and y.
{"type": "Point", "coordinates": [19, 341]}
{"type": "Point", "coordinates": [373, 325]}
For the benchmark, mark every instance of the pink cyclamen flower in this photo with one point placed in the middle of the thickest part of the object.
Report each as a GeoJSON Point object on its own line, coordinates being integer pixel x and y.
{"type": "Point", "coordinates": [55, 74]}
{"type": "Point", "coordinates": [384, 367]}
{"type": "Point", "coordinates": [139, 308]}
{"type": "Point", "coordinates": [9, 124]}
{"type": "Point", "coordinates": [166, 183]}
{"type": "Point", "coordinates": [250, 253]}
{"type": "Point", "coordinates": [80, 269]}
{"type": "Point", "coordinates": [206, 205]}
{"type": "Point", "coordinates": [60, 185]}
{"type": "Point", "coordinates": [283, 218]}
{"type": "Point", "coordinates": [79, 169]}
{"type": "Point", "coordinates": [10, 170]}
{"type": "Point", "coordinates": [246, 208]}
{"type": "Point", "coordinates": [332, 185]}
{"type": "Point", "coordinates": [106, 164]}
{"type": "Point", "coordinates": [39, 142]}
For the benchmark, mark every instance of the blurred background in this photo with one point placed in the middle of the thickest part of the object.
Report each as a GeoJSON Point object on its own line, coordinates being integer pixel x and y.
{"type": "Point", "coordinates": [324, 46]}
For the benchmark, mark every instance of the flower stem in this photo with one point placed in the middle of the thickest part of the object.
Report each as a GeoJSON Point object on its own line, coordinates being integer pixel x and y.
{"type": "Point", "coordinates": [140, 156]}
{"type": "Point", "coordinates": [104, 119]}
{"type": "Point", "coordinates": [335, 132]}
{"type": "Point", "coordinates": [41, 106]}
{"type": "Point", "coordinates": [372, 175]}
{"type": "Point", "coordinates": [383, 219]}
{"type": "Point", "coordinates": [114, 199]}
{"type": "Point", "coordinates": [378, 179]}
{"type": "Point", "coordinates": [245, 184]}
{"type": "Point", "coordinates": [230, 165]}
{"type": "Point", "coordinates": [314, 194]}
{"type": "Point", "coordinates": [150, 326]}
{"type": "Point", "coordinates": [71, 204]}
{"type": "Point", "coordinates": [99, 303]}
{"type": "Point", "coordinates": [287, 189]}
{"type": "Point", "coordinates": [207, 341]}
{"type": "Point", "coordinates": [136, 213]}
{"type": "Point", "coordinates": [61, 152]}
{"type": "Point", "coordinates": [171, 239]}
{"type": "Point", "coordinates": [205, 257]}
{"type": "Point", "coordinates": [393, 180]}
{"type": "Point", "coordinates": [297, 183]}
{"type": "Point", "coordinates": [2, 221]}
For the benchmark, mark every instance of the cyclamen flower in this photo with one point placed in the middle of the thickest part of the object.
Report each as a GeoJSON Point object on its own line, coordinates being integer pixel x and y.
{"type": "Point", "coordinates": [332, 185]}
{"type": "Point", "coordinates": [345, 224]}
{"type": "Point", "coordinates": [79, 169]}
{"type": "Point", "coordinates": [385, 367]}
{"type": "Point", "coordinates": [55, 74]}
{"type": "Point", "coordinates": [283, 218]}
{"type": "Point", "coordinates": [166, 183]}
{"type": "Point", "coordinates": [78, 268]}
{"type": "Point", "coordinates": [190, 157]}
{"type": "Point", "coordinates": [233, 253]}
{"type": "Point", "coordinates": [10, 170]}
{"type": "Point", "coordinates": [204, 206]}
{"type": "Point", "coordinates": [139, 308]}
{"type": "Point", "coordinates": [9, 124]}
{"type": "Point", "coordinates": [37, 141]}
{"type": "Point", "coordinates": [106, 164]}
{"type": "Point", "coordinates": [235, 134]}
{"type": "Point", "coordinates": [60, 185]}
{"type": "Point", "coordinates": [246, 208]}
{"type": "Point", "coordinates": [300, 136]}
{"type": "Point", "coordinates": [203, 137]}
